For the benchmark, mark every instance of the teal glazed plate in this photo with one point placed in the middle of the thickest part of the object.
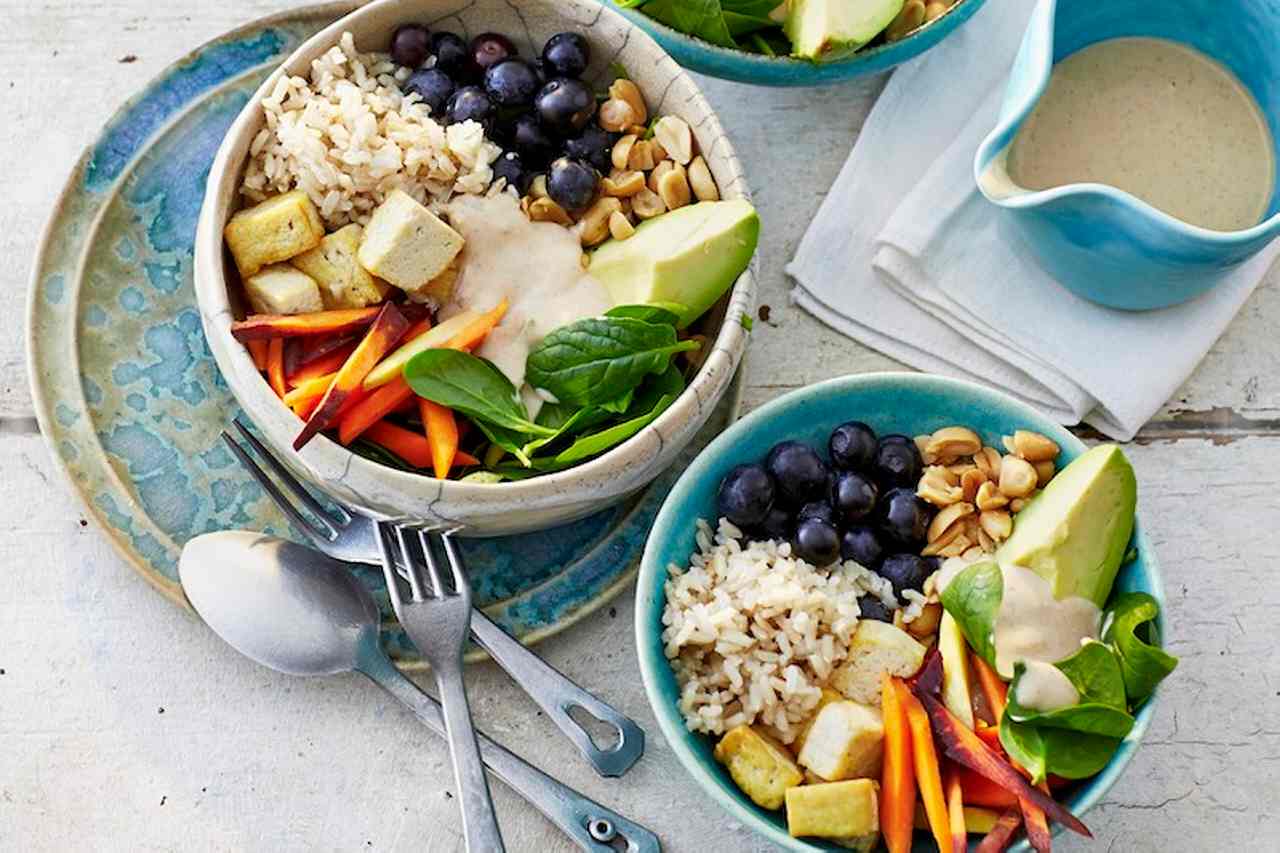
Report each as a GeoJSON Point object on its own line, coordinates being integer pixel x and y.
{"type": "Point", "coordinates": [906, 403]}
{"type": "Point", "coordinates": [131, 402]}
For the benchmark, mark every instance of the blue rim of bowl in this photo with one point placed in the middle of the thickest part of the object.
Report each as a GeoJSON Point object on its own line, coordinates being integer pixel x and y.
{"type": "Point", "coordinates": [668, 715]}
{"type": "Point", "coordinates": [743, 66]}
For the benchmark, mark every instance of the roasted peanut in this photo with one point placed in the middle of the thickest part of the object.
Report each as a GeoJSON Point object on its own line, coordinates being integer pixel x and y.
{"type": "Point", "coordinates": [1044, 472]}
{"type": "Point", "coordinates": [922, 444]}
{"type": "Point", "coordinates": [593, 227]}
{"type": "Point", "coordinates": [976, 552]}
{"type": "Point", "coordinates": [949, 516]}
{"type": "Point", "coordinates": [948, 536]}
{"type": "Point", "coordinates": [937, 491]}
{"type": "Point", "coordinates": [954, 441]}
{"type": "Point", "coordinates": [700, 180]}
{"type": "Point", "coordinates": [624, 90]}
{"type": "Point", "coordinates": [616, 115]}
{"type": "Point", "coordinates": [1034, 447]}
{"type": "Point", "coordinates": [911, 17]}
{"type": "Point", "coordinates": [538, 186]}
{"type": "Point", "coordinates": [957, 547]}
{"type": "Point", "coordinates": [970, 482]}
{"type": "Point", "coordinates": [546, 210]}
{"type": "Point", "coordinates": [641, 157]}
{"type": "Point", "coordinates": [1017, 477]}
{"type": "Point", "coordinates": [647, 204]}
{"type": "Point", "coordinates": [1007, 441]}
{"type": "Point", "coordinates": [926, 624]}
{"type": "Point", "coordinates": [621, 155]}
{"type": "Point", "coordinates": [619, 226]}
{"type": "Point", "coordinates": [622, 184]}
{"type": "Point", "coordinates": [996, 523]}
{"type": "Point", "coordinates": [674, 188]}
{"type": "Point", "coordinates": [673, 133]}
{"type": "Point", "coordinates": [989, 497]}
{"type": "Point", "coordinates": [988, 461]}
{"type": "Point", "coordinates": [658, 171]}
{"type": "Point", "coordinates": [935, 10]}
{"type": "Point", "coordinates": [951, 478]}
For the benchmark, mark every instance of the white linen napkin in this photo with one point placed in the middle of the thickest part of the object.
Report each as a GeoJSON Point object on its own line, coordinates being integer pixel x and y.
{"type": "Point", "coordinates": [906, 256]}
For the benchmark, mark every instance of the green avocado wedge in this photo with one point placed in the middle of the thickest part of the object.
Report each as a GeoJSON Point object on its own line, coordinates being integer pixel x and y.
{"type": "Point", "coordinates": [688, 257]}
{"type": "Point", "coordinates": [825, 30]}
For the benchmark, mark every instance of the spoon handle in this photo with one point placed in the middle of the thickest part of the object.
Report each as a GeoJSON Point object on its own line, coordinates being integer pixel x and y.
{"type": "Point", "coordinates": [556, 695]}
{"type": "Point", "coordinates": [590, 825]}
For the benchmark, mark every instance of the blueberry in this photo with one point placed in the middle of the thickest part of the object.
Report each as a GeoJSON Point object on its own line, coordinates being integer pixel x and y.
{"type": "Point", "coordinates": [510, 166]}
{"type": "Point", "coordinates": [594, 146]}
{"type": "Point", "coordinates": [872, 607]}
{"type": "Point", "coordinates": [778, 525]}
{"type": "Point", "coordinates": [746, 495]}
{"type": "Point", "coordinates": [862, 545]}
{"type": "Point", "coordinates": [452, 55]}
{"type": "Point", "coordinates": [489, 49]}
{"type": "Point", "coordinates": [411, 45]}
{"type": "Point", "coordinates": [571, 184]}
{"type": "Point", "coordinates": [799, 471]}
{"type": "Point", "coordinates": [904, 518]}
{"type": "Point", "coordinates": [853, 496]}
{"type": "Point", "coordinates": [566, 55]}
{"type": "Point", "coordinates": [817, 542]}
{"type": "Point", "coordinates": [511, 84]}
{"type": "Point", "coordinates": [852, 446]}
{"type": "Point", "coordinates": [434, 86]}
{"type": "Point", "coordinates": [897, 462]}
{"type": "Point", "coordinates": [529, 138]}
{"type": "Point", "coordinates": [565, 106]}
{"type": "Point", "coordinates": [820, 510]}
{"type": "Point", "coordinates": [904, 571]}
{"type": "Point", "coordinates": [470, 103]}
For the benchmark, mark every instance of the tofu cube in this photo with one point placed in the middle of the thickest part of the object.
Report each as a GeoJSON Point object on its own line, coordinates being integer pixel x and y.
{"type": "Point", "coordinates": [439, 290]}
{"type": "Point", "coordinates": [406, 244]}
{"type": "Point", "coordinates": [828, 696]}
{"type": "Point", "coordinates": [343, 282]}
{"type": "Point", "coordinates": [876, 648]}
{"type": "Point", "coordinates": [846, 812]}
{"type": "Point", "coordinates": [281, 289]}
{"type": "Point", "coordinates": [278, 229]}
{"type": "Point", "coordinates": [845, 741]}
{"type": "Point", "coordinates": [760, 766]}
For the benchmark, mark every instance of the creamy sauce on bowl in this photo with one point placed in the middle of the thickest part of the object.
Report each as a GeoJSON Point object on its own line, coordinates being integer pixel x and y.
{"type": "Point", "coordinates": [535, 266]}
{"type": "Point", "coordinates": [1044, 688]}
{"type": "Point", "coordinates": [1156, 119]}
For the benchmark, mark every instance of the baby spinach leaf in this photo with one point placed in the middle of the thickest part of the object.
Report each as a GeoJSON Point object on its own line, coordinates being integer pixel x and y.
{"type": "Point", "coordinates": [1025, 746]}
{"type": "Point", "coordinates": [472, 386]}
{"type": "Point", "coordinates": [1069, 754]}
{"type": "Point", "coordinates": [739, 24]}
{"type": "Point", "coordinates": [701, 18]}
{"type": "Point", "coordinates": [973, 599]}
{"type": "Point", "coordinates": [663, 313]}
{"type": "Point", "coordinates": [599, 359]}
{"type": "Point", "coordinates": [621, 404]}
{"type": "Point", "coordinates": [1095, 672]}
{"type": "Point", "coordinates": [1131, 631]}
{"type": "Point", "coordinates": [512, 441]}
{"type": "Point", "coordinates": [578, 421]}
{"type": "Point", "coordinates": [1088, 717]}
{"type": "Point", "coordinates": [596, 443]}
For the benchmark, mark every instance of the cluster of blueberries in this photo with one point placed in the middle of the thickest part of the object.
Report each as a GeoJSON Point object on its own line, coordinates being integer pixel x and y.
{"type": "Point", "coordinates": [861, 507]}
{"type": "Point", "coordinates": [538, 110]}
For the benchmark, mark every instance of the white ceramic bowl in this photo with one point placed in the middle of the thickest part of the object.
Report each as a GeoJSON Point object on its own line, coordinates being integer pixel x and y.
{"type": "Point", "coordinates": [505, 508]}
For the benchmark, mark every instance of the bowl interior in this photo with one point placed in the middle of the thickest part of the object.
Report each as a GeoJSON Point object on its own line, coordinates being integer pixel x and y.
{"type": "Point", "coordinates": [904, 403]}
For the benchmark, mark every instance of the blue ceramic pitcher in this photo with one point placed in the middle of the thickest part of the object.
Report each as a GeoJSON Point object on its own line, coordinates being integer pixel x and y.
{"type": "Point", "coordinates": [1100, 242]}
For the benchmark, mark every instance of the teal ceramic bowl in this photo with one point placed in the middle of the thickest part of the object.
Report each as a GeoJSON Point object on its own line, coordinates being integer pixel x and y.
{"type": "Point", "coordinates": [716, 61]}
{"type": "Point", "coordinates": [907, 403]}
{"type": "Point", "coordinates": [1103, 243]}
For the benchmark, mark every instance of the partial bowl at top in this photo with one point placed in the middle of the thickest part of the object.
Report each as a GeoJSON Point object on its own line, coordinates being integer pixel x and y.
{"type": "Point", "coordinates": [905, 403]}
{"type": "Point", "coordinates": [760, 69]}
{"type": "Point", "coordinates": [480, 509]}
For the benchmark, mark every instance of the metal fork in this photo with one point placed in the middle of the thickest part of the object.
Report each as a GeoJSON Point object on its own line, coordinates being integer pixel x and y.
{"type": "Point", "coordinates": [441, 617]}
{"type": "Point", "coordinates": [345, 534]}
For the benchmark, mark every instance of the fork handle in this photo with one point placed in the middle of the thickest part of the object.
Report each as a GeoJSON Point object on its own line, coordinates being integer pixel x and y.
{"type": "Point", "coordinates": [479, 823]}
{"type": "Point", "coordinates": [590, 825]}
{"type": "Point", "coordinates": [556, 695]}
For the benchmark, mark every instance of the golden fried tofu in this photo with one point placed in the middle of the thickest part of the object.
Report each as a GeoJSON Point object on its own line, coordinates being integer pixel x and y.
{"type": "Point", "coordinates": [281, 289]}
{"type": "Point", "coordinates": [343, 282]}
{"type": "Point", "coordinates": [828, 696]}
{"type": "Point", "coordinates": [845, 812]}
{"type": "Point", "coordinates": [759, 765]}
{"type": "Point", "coordinates": [276, 230]}
{"type": "Point", "coordinates": [406, 244]}
{"type": "Point", "coordinates": [876, 648]}
{"type": "Point", "coordinates": [846, 741]}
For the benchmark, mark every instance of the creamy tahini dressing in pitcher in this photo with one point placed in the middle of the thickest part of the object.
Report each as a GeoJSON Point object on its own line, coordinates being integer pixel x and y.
{"type": "Point", "coordinates": [1157, 119]}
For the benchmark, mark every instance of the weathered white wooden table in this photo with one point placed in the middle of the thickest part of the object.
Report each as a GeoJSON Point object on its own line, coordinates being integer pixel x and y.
{"type": "Point", "coordinates": [126, 725]}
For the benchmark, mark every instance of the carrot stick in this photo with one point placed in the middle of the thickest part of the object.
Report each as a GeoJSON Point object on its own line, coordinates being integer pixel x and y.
{"type": "Point", "coordinates": [993, 688]}
{"type": "Point", "coordinates": [928, 774]}
{"type": "Point", "coordinates": [442, 433]}
{"type": "Point", "coordinates": [474, 332]}
{"type": "Point", "coordinates": [410, 446]}
{"type": "Point", "coordinates": [382, 336]}
{"type": "Point", "coordinates": [897, 780]}
{"type": "Point", "coordinates": [322, 366]}
{"type": "Point", "coordinates": [305, 397]}
{"type": "Point", "coordinates": [999, 839]}
{"type": "Point", "coordinates": [267, 326]}
{"type": "Point", "coordinates": [1036, 824]}
{"type": "Point", "coordinates": [258, 351]}
{"type": "Point", "coordinates": [980, 791]}
{"type": "Point", "coordinates": [955, 808]}
{"type": "Point", "coordinates": [372, 409]}
{"type": "Point", "coordinates": [275, 366]}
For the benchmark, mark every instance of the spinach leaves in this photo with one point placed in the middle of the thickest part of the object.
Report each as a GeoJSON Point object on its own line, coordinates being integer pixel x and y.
{"type": "Point", "coordinates": [973, 599]}
{"type": "Point", "coordinates": [721, 22]}
{"type": "Point", "coordinates": [1131, 631]}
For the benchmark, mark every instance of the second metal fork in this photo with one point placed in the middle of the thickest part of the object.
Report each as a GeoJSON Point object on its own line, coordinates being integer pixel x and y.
{"type": "Point", "coordinates": [354, 538]}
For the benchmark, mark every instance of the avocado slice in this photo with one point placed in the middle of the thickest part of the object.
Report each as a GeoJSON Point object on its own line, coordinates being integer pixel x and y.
{"type": "Point", "coordinates": [825, 30]}
{"type": "Point", "coordinates": [689, 256]}
{"type": "Point", "coordinates": [1076, 532]}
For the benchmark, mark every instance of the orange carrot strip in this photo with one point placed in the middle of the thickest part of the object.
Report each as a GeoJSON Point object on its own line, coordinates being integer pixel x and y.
{"type": "Point", "coordinates": [980, 791]}
{"type": "Point", "coordinates": [275, 366]}
{"type": "Point", "coordinates": [476, 331]}
{"type": "Point", "coordinates": [928, 774]}
{"type": "Point", "coordinates": [258, 351]}
{"type": "Point", "coordinates": [993, 688]}
{"type": "Point", "coordinates": [373, 408]}
{"type": "Point", "coordinates": [442, 433]}
{"type": "Point", "coordinates": [1037, 825]}
{"type": "Point", "coordinates": [308, 394]}
{"type": "Point", "coordinates": [322, 366]}
{"type": "Point", "coordinates": [382, 336]}
{"type": "Point", "coordinates": [999, 839]}
{"type": "Point", "coordinates": [955, 809]}
{"type": "Point", "coordinates": [410, 446]}
{"type": "Point", "coordinates": [897, 780]}
{"type": "Point", "coordinates": [267, 326]}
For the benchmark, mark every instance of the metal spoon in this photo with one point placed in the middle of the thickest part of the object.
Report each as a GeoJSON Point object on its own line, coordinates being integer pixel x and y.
{"type": "Point", "coordinates": [300, 612]}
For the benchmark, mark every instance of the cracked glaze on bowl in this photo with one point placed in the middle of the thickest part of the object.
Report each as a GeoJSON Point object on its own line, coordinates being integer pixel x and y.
{"type": "Point", "coordinates": [483, 510]}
